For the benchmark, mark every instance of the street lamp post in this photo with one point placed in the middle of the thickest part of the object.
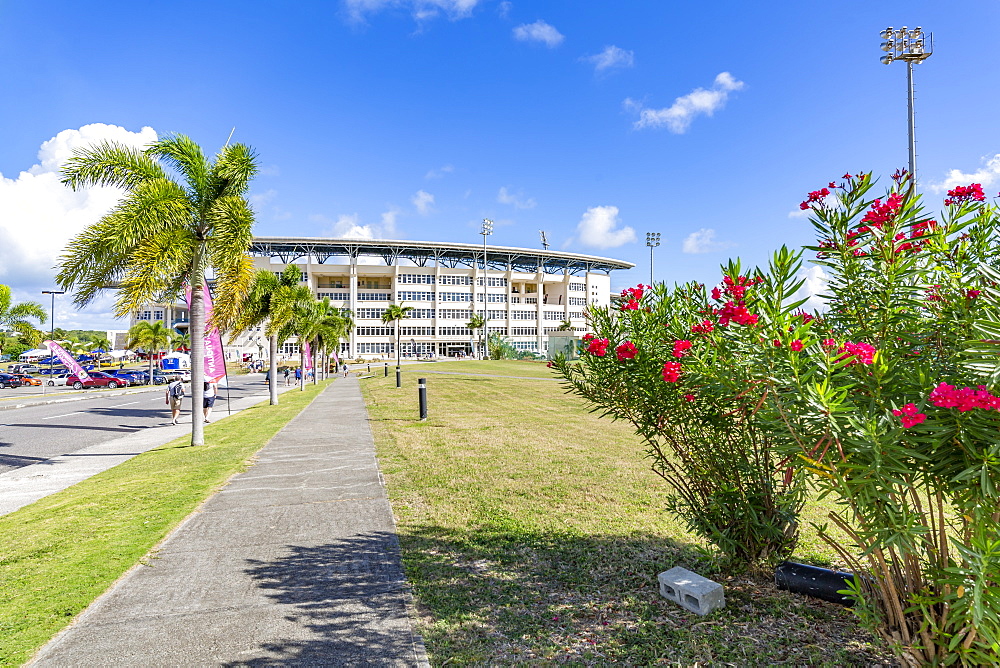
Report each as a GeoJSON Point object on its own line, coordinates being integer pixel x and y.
{"type": "Point", "coordinates": [652, 240]}
{"type": "Point", "coordinates": [486, 231]}
{"type": "Point", "coordinates": [52, 329]}
{"type": "Point", "coordinates": [910, 46]}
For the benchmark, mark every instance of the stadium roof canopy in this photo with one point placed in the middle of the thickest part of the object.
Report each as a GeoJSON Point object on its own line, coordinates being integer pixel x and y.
{"type": "Point", "coordinates": [429, 253]}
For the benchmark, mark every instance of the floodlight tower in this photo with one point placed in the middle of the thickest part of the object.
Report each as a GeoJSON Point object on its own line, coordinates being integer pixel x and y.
{"type": "Point", "coordinates": [486, 231]}
{"type": "Point", "coordinates": [910, 46]}
{"type": "Point", "coordinates": [652, 240]}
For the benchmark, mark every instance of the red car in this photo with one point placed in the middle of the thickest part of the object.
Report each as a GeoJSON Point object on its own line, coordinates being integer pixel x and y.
{"type": "Point", "coordinates": [97, 379]}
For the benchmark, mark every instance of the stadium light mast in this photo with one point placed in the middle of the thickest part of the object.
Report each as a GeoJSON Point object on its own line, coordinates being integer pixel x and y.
{"type": "Point", "coordinates": [910, 46]}
{"type": "Point", "coordinates": [52, 329]}
{"type": "Point", "coordinates": [486, 231]}
{"type": "Point", "coordinates": [652, 240]}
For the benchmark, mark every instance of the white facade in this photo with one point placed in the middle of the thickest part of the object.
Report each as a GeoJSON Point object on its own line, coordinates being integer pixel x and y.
{"type": "Point", "coordinates": [527, 293]}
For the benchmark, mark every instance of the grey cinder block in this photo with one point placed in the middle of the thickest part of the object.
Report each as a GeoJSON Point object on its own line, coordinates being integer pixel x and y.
{"type": "Point", "coordinates": [691, 591]}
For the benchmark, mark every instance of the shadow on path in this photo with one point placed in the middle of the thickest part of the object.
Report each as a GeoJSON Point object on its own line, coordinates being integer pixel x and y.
{"type": "Point", "coordinates": [349, 593]}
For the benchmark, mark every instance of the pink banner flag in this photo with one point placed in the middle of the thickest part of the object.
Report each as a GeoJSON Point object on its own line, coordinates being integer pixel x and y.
{"type": "Point", "coordinates": [215, 358]}
{"type": "Point", "coordinates": [68, 360]}
{"type": "Point", "coordinates": [335, 358]}
{"type": "Point", "coordinates": [307, 353]}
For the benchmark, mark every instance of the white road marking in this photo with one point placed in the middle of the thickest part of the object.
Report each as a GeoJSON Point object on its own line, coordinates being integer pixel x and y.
{"type": "Point", "coordinates": [120, 405]}
{"type": "Point", "coordinates": [53, 417]}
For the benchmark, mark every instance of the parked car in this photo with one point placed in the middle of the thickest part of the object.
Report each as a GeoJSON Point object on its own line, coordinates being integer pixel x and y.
{"type": "Point", "coordinates": [28, 380]}
{"type": "Point", "coordinates": [9, 380]}
{"type": "Point", "coordinates": [97, 379]}
{"type": "Point", "coordinates": [23, 367]}
{"type": "Point", "coordinates": [183, 374]}
{"type": "Point", "coordinates": [56, 379]}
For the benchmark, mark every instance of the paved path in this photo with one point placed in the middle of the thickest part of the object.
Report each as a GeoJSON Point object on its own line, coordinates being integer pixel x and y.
{"type": "Point", "coordinates": [294, 563]}
{"type": "Point", "coordinates": [27, 484]}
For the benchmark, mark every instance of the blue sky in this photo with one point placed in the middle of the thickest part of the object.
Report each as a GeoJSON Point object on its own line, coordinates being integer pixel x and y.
{"type": "Point", "coordinates": [415, 119]}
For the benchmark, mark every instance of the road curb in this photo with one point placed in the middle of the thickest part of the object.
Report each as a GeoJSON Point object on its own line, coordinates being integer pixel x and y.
{"type": "Point", "coordinates": [80, 398]}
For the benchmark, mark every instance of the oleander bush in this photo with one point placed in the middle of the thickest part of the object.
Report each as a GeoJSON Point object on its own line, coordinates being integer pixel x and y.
{"type": "Point", "coordinates": [884, 403]}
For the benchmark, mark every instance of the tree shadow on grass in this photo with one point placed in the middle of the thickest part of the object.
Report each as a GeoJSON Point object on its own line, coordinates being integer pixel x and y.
{"type": "Point", "coordinates": [349, 596]}
{"type": "Point", "coordinates": [500, 594]}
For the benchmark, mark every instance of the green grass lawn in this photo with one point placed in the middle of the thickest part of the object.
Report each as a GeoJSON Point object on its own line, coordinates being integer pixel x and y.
{"type": "Point", "coordinates": [532, 531]}
{"type": "Point", "coordinates": [58, 554]}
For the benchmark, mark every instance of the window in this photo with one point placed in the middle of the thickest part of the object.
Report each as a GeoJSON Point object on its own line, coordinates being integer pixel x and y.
{"type": "Point", "coordinates": [577, 301]}
{"type": "Point", "coordinates": [370, 313]}
{"type": "Point", "coordinates": [492, 298]}
{"type": "Point", "coordinates": [416, 348]}
{"type": "Point", "coordinates": [416, 331]}
{"type": "Point", "coordinates": [424, 313]}
{"type": "Point", "coordinates": [523, 315]}
{"type": "Point", "coordinates": [374, 284]}
{"type": "Point", "coordinates": [496, 315]}
{"type": "Point", "coordinates": [146, 315]}
{"type": "Point", "coordinates": [498, 330]}
{"type": "Point", "coordinates": [454, 331]}
{"type": "Point", "coordinates": [525, 345]}
{"type": "Point", "coordinates": [576, 315]}
{"type": "Point", "coordinates": [375, 331]}
{"type": "Point", "coordinates": [374, 296]}
{"type": "Point", "coordinates": [303, 277]}
{"type": "Point", "coordinates": [340, 282]}
{"type": "Point", "coordinates": [157, 315]}
{"type": "Point", "coordinates": [454, 313]}
{"type": "Point", "coordinates": [553, 315]}
{"type": "Point", "coordinates": [524, 331]}
{"type": "Point", "coordinates": [454, 280]}
{"type": "Point", "coordinates": [493, 282]}
{"type": "Point", "coordinates": [375, 348]}
{"type": "Point", "coordinates": [335, 296]}
{"type": "Point", "coordinates": [413, 296]}
{"type": "Point", "coordinates": [416, 278]}
{"type": "Point", "coordinates": [290, 349]}
{"type": "Point", "coordinates": [578, 287]}
{"type": "Point", "coordinates": [455, 296]}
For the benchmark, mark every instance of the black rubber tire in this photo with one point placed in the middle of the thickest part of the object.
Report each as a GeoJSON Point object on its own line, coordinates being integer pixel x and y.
{"type": "Point", "coordinates": [77, 385]}
{"type": "Point", "coordinates": [112, 385]}
{"type": "Point", "coordinates": [51, 383]}
{"type": "Point", "coordinates": [3, 385]}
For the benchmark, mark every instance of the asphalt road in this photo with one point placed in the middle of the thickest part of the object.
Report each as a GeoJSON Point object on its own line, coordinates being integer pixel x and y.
{"type": "Point", "coordinates": [33, 434]}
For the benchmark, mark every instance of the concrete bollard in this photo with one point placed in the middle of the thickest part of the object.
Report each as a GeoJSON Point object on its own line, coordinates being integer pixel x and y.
{"type": "Point", "coordinates": [691, 591]}
{"type": "Point", "coordinates": [422, 397]}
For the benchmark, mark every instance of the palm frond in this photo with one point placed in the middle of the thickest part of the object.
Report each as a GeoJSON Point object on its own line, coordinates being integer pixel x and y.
{"type": "Point", "coordinates": [110, 164]}
{"type": "Point", "coordinates": [188, 160]}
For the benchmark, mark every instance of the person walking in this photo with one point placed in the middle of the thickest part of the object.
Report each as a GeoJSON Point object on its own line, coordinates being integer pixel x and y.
{"type": "Point", "coordinates": [344, 369]}
{"type": "Point", "coordinates": [287, 376]}
{"type": "Point", "coordinates": [175, 396]}
{"type": "Point", "coordinates": [211, 391]}
{"type": "Point", "coordinates": [298, 374]}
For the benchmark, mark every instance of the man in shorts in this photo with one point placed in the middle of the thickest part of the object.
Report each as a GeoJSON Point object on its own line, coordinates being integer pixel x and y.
{"type": "Point", "coordinates": [211, 390]}
{"type": "Point", "coordinates": [175, 396]}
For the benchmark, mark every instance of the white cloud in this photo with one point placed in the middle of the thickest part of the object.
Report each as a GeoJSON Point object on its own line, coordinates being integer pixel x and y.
{"type": "Point", "coordinates": [39, 215]}
{"type": "Point", "coordinates": [598, 225]}
{"type": "Point", "coordinates": [703, 241]}
{"type": "Point", "coordinates": [260, 199]}
{"type": "Point", "coordinates": [423, 201]}
{"type": "Point", "coordinates": [503, 9]}
{"type": "Point", "coordinates": [812, 290]}
{"type": "Point", "coordinates": [516, 200]}
{"type": "Point", "coordinates": [678, 117]}
{"type": "Point", "coordinates": [439, 173]}
{"type": "Point", "coordinates": [421, 10]}
{"type": "Point", "coordinates": [986, 176]}
{"type": "Point", "coordinates": [539, 31]}
{"type": "Point", "coordinates": [611, 57]}
{"type": "Point", "coordinates": [389, 219]}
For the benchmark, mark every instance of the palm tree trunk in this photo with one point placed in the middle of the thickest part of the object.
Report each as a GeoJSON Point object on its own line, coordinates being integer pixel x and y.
{"type": "Point", "coordinates": [272, 369]}
{"type": "Point", "coordinates": [302, 367]}
{"type": "Point", "coordinates": [150, 366]}
{"type": "Point", "coordinates": [197, 358]}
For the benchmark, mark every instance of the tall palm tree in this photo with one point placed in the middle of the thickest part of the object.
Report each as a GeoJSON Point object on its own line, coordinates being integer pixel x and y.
{"type": "Point", "coordinates": [271, 301]}
{"type": "Point", "coordinates": [478, 322]}
{"type": "Point", "coordinates": [182, 215]}
{"type": "Point", "coordinates": [333, 326]}
{"type": "Point", "coordinates": [17, 316]}
{"type": "Point", "coordinates": [394, 314]}
{"type": "Point", "coordinates": [100, 343]}
{"type": "Point", "coordinates": [152, 337]}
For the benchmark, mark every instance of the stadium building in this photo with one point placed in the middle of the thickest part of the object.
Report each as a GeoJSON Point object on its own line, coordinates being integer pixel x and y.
{"type": "Point", "coordinates": [525, 294]}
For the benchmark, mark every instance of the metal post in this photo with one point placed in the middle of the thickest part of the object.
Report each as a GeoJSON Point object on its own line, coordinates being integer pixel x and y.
{"type": "Point", "coordinates": [911, 121]}
{"type": "Point", "coordinates": [652, 240]}
{"type": "Point", "coordinates": [52, 330]}
{"type": "Point", "coordinates": [486, 231]}
{"type": "Point", "coordinates": [422, 396]}
{"type": "Point", "coordinates": [399, 377]}
{"type": "Point", "coordinates": [386, 369]}
{"type": "Point", "coordinates": [369, 368]}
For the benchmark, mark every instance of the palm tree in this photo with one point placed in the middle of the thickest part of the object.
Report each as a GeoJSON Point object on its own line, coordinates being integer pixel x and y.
{"type": "Point", "coordinates": [333, 326]}
{"type": "Point", "coordinates": [271, 301]}
{"type": "Point", "coordinates": [182, 215]}
{"type": "Point", "coordinates": [100, 343]}
{"type": "Point", "coordinates": [394, 314]}
{"type": "Point", "coordinates": [151, 337]}
{"type": "Point", "coordinates": [16, 316]}
{"type": "Point", "coordinates": [565, 326]}
{"type": "Point", "coordinates": [478, 322]}
{"type": "Point", "coordinates": [180, 342]}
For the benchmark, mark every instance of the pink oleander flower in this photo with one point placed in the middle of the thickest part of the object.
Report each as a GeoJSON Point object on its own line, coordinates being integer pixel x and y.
{"type": "Point", "coordinates": [671, 372]}
{"type": "Point", "coordinates": [680, 347]}
{"type": "Point", "coordinates": [688, 397]}
{"type": "Point", "coordinates": [626, 351]}
{"type": "Point", "coordinates": [795, 345]}
{"type": "Point", "coordinates": [909, 415]}
{"type": "Point", "coordinates": [857, 353]}
{"type": "Point", "coordinates": [598, 347]}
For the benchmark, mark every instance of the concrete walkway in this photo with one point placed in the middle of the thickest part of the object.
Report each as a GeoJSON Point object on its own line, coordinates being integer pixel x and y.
{"type": "Point", "coordinates": [294, 563]}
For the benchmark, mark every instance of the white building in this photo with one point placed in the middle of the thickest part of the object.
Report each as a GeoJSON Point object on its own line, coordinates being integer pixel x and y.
{"type": "Point", "coordinates": [526, 294]}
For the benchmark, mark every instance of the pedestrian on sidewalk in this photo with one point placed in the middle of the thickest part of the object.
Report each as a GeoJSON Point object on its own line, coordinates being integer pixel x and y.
{"type": "Point", "coordinates": [175, 395]}
{"type": "Point", "coordinates": [211, 390]}
{"type": "Point", "coordinates": [344, 369]}
{"type": "Point", "coordinates": [287, 375]}
{"type": "Point", "coordinates": [298, 374]}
